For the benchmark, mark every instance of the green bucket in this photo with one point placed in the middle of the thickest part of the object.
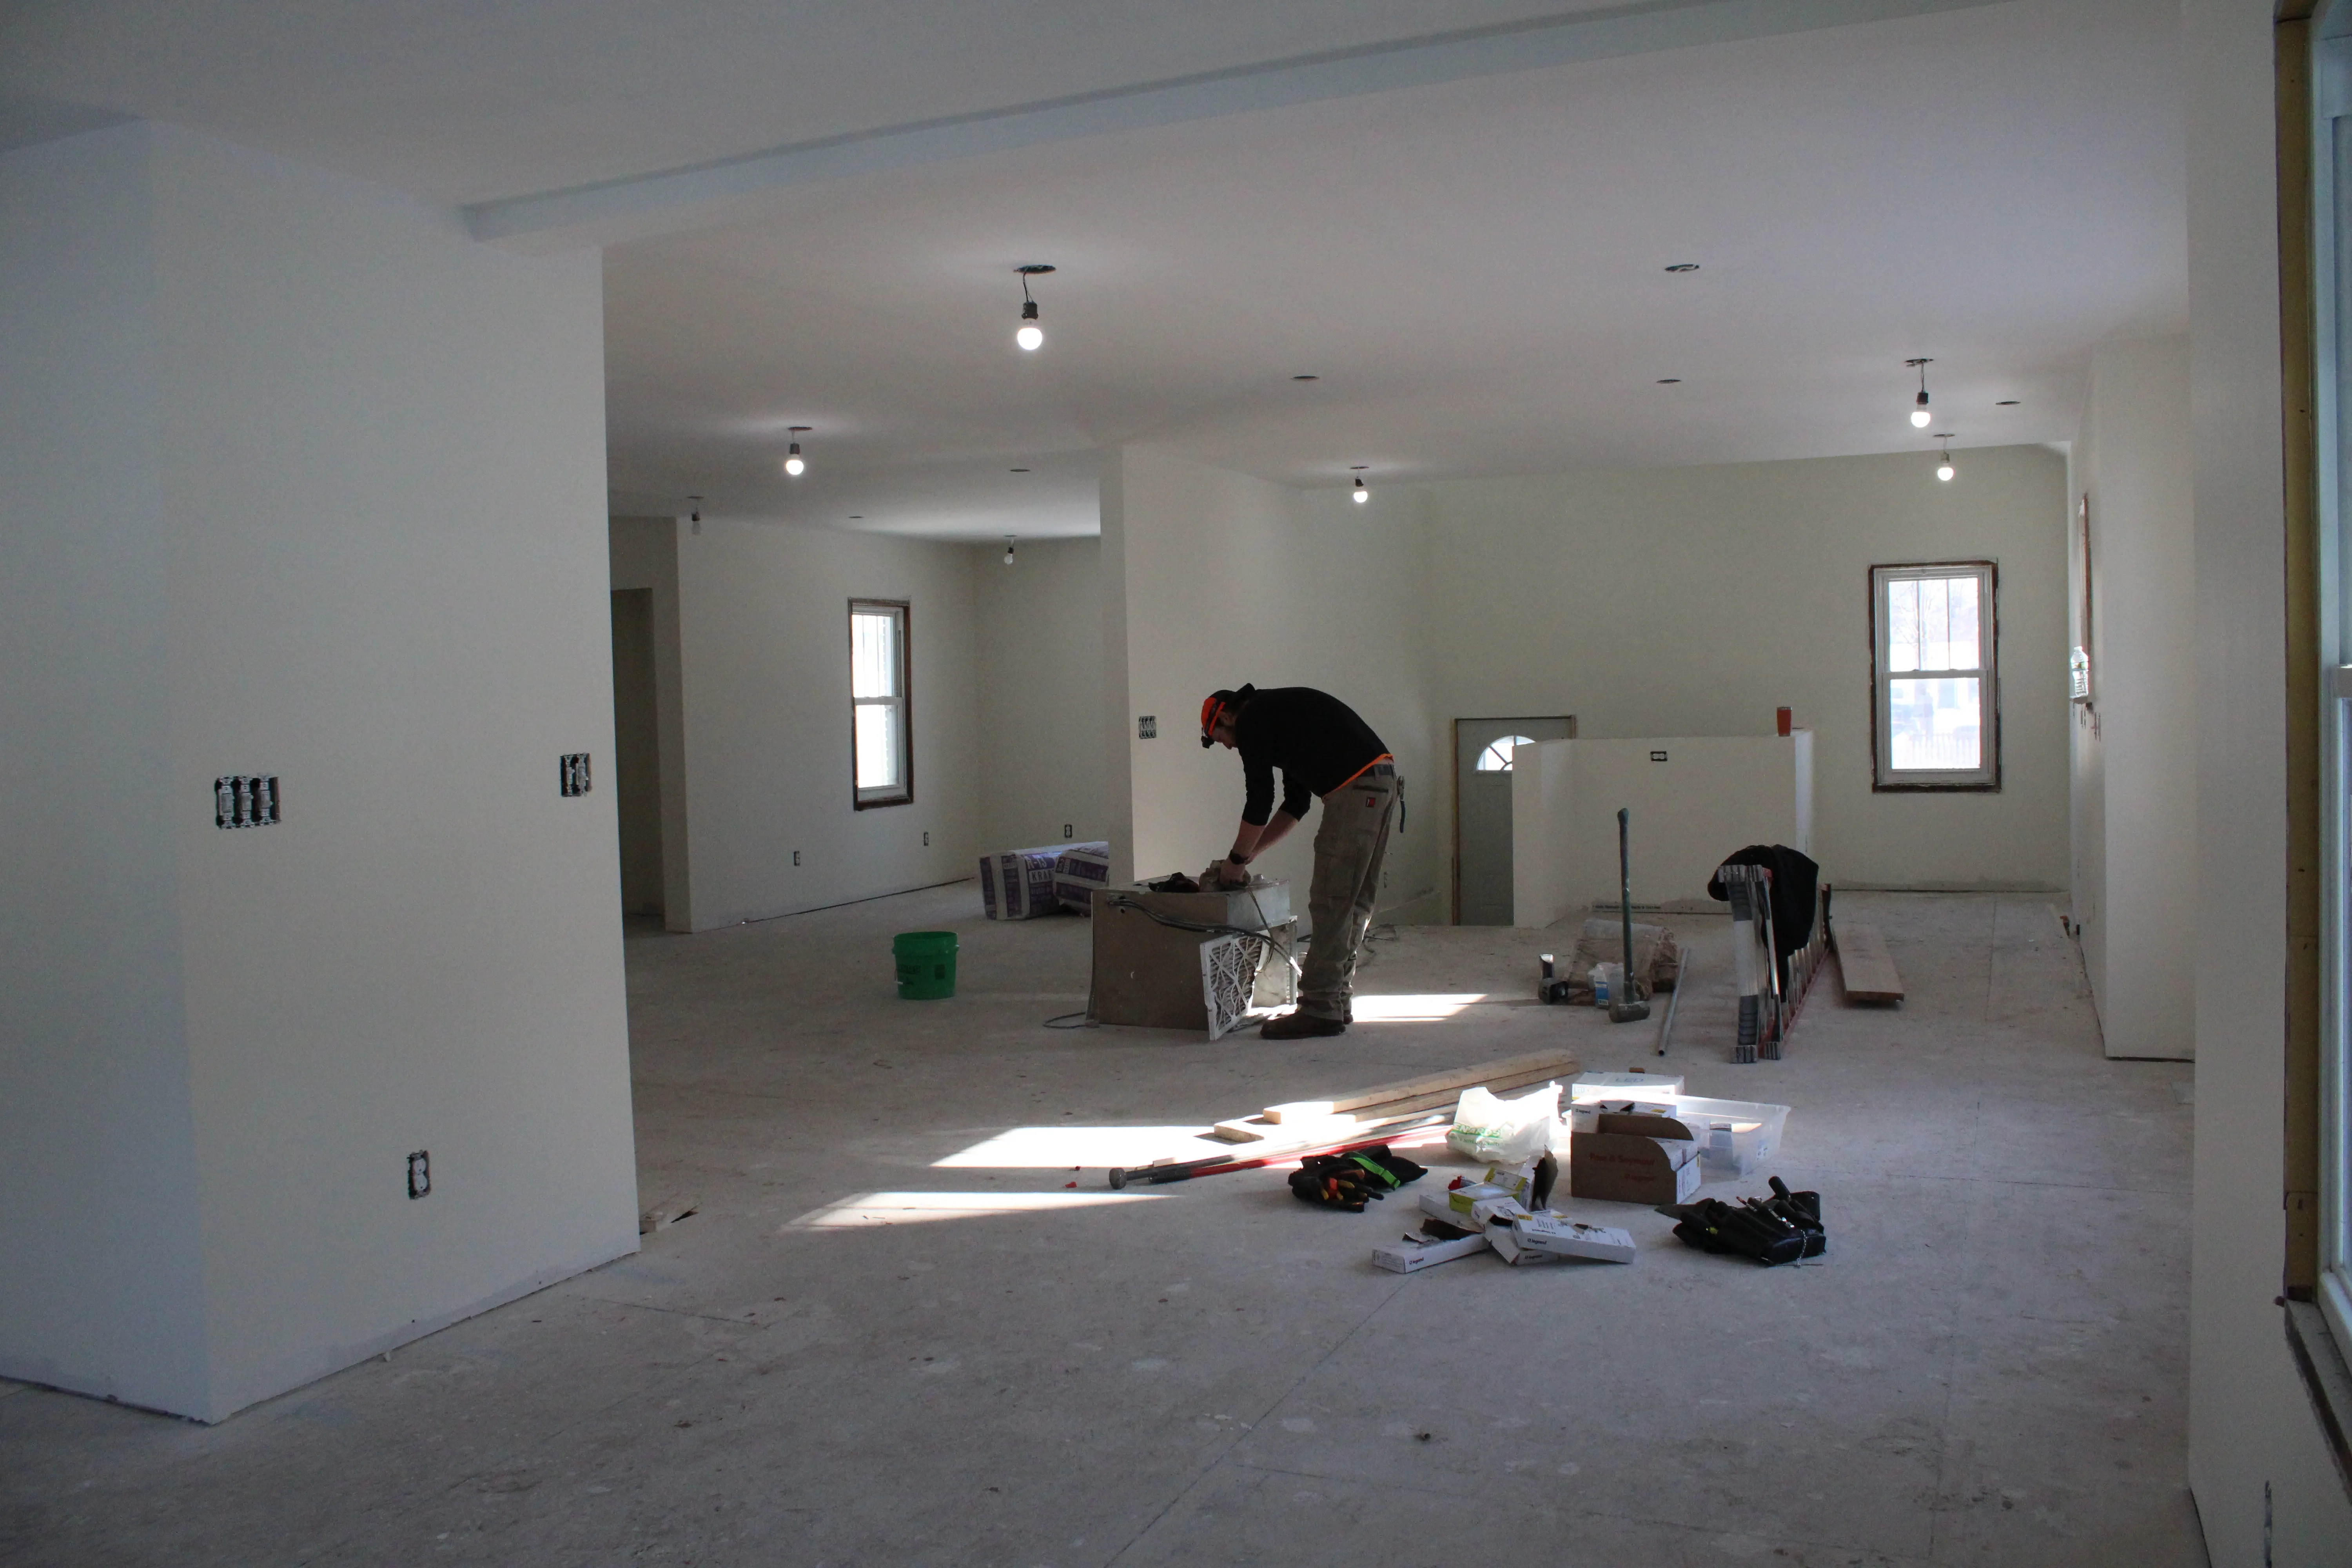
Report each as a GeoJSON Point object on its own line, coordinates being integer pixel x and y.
{"type": "Point", "coordinates": [926, 965]}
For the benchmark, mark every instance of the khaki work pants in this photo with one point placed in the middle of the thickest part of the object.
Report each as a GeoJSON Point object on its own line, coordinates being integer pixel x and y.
{"type": "Point", "coordinates": [1349, 845]}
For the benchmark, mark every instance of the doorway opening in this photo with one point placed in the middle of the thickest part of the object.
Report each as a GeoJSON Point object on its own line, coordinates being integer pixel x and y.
{"type": "Point", "coordinates": [1482, 810]}
{"type": "Point", "coordinates": [636, 752]}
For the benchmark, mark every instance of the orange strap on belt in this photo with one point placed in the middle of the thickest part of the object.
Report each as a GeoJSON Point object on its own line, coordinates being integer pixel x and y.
{"type": "Point", "coordinates": [1359, 773]}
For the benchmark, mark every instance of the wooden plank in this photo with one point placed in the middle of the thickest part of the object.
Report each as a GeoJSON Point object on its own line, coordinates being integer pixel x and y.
{"type": "Point", "coordinates": [1866, 965]}
{"type": "Point", "coordinates": [1519, 1069]}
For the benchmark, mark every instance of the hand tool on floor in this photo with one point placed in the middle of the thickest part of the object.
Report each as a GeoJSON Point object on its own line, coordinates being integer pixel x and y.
{"type": "Point", "coordinates": [1674, 1000]}
{"type": "Point", "coordinates": [1363, 1136]}
{"type": "Point", "coordinates": [1629, 1008]}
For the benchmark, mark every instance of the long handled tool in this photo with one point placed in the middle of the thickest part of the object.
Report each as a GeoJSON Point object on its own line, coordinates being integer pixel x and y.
{"type": "Point", "coordinates": [1627, 1008]}
{"type": "Point", "coordinates": [1365, 1137]}
{"type": "Point", "coordinates": [1674, 1000]}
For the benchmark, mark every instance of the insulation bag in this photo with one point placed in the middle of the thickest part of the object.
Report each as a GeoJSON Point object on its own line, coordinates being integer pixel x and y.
{"type": "Point", "coordinates": [1018, 885]}
{"type": "Point", "coordinates": [1078, 871]}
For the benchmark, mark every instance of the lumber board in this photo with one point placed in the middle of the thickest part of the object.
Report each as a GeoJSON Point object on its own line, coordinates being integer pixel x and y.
{"type": "Point", "coordinates": [1521, 1069]}
{"type": "Point", "coordinates": [1866, 965]}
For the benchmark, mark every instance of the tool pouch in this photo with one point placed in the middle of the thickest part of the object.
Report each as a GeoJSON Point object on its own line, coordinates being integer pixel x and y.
{"type": "Point", "coordinates": [1349, 1181]}
{"type": "Point", "coordinates": [1783, 1228]}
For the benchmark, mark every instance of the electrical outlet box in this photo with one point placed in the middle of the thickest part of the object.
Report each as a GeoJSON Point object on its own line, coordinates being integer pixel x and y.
{"type": "Point", "coordinates": [246, 800]}
{"type": "Point", "coordinates": [574, 779]}
{"type": "Point", "coordinates": [796, 857]}
{"type": "Point", "coordinates": [420, 1174]}
{"type": "Point", "coordinates": [1147, 727]}
{"type": "Point", "coordinates": [926, 838]}
{"type": "Point", "coordinates": [1069, 833]}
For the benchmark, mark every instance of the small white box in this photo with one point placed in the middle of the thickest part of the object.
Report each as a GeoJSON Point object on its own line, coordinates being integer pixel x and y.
{"type": "Point", "coordinates": [1412, 1257]}
{"type": "Point", "coordinates": [1625, 1086]}
{"type": "Point", "coordinates": [1471, 1208]}
{"type": "Point", "coordinates": [1560, 1237]}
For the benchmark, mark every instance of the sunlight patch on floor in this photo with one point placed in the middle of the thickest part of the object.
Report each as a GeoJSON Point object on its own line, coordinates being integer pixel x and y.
{"type": "Point", "coordinates": [1427, 1008]}
{"type": "Point", "coordinates": [870, 1209]}
{"type": "Point", "coordinates": [1067, 1148]}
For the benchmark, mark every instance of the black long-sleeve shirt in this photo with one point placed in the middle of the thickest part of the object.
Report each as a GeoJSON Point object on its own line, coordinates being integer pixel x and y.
{"type": "Point", "coordinates": [1316, 740]}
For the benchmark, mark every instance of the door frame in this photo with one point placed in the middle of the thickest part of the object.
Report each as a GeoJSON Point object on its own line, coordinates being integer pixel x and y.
{"type": "Point", "coordinates": [1454, 785]}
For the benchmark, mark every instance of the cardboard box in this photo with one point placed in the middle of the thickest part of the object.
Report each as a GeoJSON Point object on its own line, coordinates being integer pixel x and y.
{"type": "Point", "coordinates": [1412, 1257]}
{"type": "Point", "coordinates": [1149, 974]}
{"type": "Point", "coordinates": [1634, 1158]}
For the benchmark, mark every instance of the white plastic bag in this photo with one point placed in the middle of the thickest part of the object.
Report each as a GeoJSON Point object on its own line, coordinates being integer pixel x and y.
{"type": "Point", "coordinates": [1503, 1131]}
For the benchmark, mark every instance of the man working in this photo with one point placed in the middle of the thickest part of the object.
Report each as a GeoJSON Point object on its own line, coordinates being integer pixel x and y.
{"type": "Point", "coordinates": [1322, 749]}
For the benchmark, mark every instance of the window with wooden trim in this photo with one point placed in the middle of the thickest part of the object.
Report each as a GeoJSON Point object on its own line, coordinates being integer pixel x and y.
{"type": "Point", "coordinates": [882, 740]}
{"type": "Point", "coordinates": [1935, 692]}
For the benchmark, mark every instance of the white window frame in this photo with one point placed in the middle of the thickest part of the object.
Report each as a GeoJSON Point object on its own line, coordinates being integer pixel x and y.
{"type": "Point", "coordinates": [901, 613]}
{"type": "Point", "coordinates": [1884, 776]}
{"type": "Point", "coordinates": [2331, 147]}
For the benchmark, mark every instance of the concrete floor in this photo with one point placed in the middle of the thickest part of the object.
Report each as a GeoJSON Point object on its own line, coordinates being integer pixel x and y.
{"type": "Point", "coordinates": [1989, 1368]}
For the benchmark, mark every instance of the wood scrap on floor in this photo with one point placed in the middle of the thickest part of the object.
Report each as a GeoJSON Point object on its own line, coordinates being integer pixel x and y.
{"type": "Point", "coordinates": [1306, 1119]}
{"type": "Point", "coordinates": [1864, 963]}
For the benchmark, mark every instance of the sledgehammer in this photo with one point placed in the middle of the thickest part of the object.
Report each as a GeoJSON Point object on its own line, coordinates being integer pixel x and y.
{"type": "Point", "coordinates": [1627, 1008]}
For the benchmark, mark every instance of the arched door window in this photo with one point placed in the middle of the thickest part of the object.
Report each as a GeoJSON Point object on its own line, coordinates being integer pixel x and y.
{"type": "Point", "coordinates": [1497, 758]}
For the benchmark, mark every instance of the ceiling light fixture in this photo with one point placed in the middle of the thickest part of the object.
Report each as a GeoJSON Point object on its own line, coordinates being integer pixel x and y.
{"type": "Point", "coordinates": [1683, 266]}
{"type": "Point", "coordinates": [794, 464]}
{"type": "Point", "coordinates": [1944, 469]}
{"type": "Point", "coordinates": [1017, 471]}
{"type": "Point", "coordinates": [1008, 550]}
{"type": "Point", "coordinates": [1031, 336]}
{"type": "Point", "coordinates": [1920, 415]}
{"type": "Point", "coordinates": [1670, 381]}
{"type": "Point", "coordinates": [1362, 495]}
{"type": "Point", "coordinates": [2006, 403]}
{"type": "Point", "coordinates": [1305, 378]}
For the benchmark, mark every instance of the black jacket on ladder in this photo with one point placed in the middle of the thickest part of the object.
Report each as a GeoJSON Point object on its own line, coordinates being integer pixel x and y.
{"type": "Point", "coordinates": [1795, 881]}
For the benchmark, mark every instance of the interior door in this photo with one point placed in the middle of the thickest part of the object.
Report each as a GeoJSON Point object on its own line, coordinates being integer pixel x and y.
{"type": "Point", "coordinates": [1482, 811]}
{"type": "Point", "coordinates": [637, 761]}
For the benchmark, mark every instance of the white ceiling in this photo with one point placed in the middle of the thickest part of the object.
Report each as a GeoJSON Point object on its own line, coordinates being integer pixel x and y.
{"type": "Point", "coordinates": [1472, 267]}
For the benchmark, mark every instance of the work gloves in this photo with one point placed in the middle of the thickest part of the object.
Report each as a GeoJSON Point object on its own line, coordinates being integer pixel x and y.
{"type": "Point", "coordinates": [1781, 1228]}
{"type": "Point", "coordinates": [1349, 1181]}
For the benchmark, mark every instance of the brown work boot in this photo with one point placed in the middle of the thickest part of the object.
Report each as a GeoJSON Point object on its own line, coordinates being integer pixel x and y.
{"type": "Point", "coordinates": [1300, 1027]}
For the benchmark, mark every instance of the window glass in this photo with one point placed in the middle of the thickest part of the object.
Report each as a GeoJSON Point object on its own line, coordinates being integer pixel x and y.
{"type": "Point", "coordinates": [1497, 758]}
{"type": "Point", "coordinates": [882, 759]}
{"type": "Point", "coordinates": [1936, 719]}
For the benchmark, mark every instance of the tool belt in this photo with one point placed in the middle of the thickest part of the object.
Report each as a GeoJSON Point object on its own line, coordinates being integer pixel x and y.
{"type": "Point", "coordinates": [1783, 1228]}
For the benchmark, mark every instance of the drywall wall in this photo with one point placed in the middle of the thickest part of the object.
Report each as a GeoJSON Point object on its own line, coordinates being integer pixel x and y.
{"type": "Point", "coordinates": [1696, 601]}
{"type": "Point", "coordinates": [361, 548]}
{"type": "Point", "coordinates": [764, 616]}
{"type": "Point", "coordinates": [103, 1286]}
{"type": "Point", "coordinates": [643, 554]}
{"type": "Point", "coordinates": [2135, 744]}
{"type": "Point", "coordinates": [1222, 579]}
{"type": "Point", "coordinates": [1689, 801]}
{"type": "Point", "coordinates": [2267, 1491]}
{"type": "Point", "coordinates": [1038, 632]}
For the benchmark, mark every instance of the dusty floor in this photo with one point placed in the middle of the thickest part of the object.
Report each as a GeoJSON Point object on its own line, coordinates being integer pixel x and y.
{"type": "Point", "coordinates": [1989, 1368]}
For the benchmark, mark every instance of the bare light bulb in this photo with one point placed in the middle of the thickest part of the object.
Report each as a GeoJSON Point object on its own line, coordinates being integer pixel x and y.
{"type": "Point", "coordinates": [1920, 417]}
{"type": "Point", "coordinates": [1361, 494]}
{"type": "Point", "coordinates": [1944, 469]}
{"type": "Point", "coordinates": [793, 464]}
{"type": "Point", "coordinates": [1031, 336]}
{"type": "Point", "coordinates": [1008, 550]}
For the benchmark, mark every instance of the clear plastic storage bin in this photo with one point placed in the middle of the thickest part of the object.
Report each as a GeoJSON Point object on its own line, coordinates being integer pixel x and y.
{"type": "Point", "coordinates": [1735, 1136]}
